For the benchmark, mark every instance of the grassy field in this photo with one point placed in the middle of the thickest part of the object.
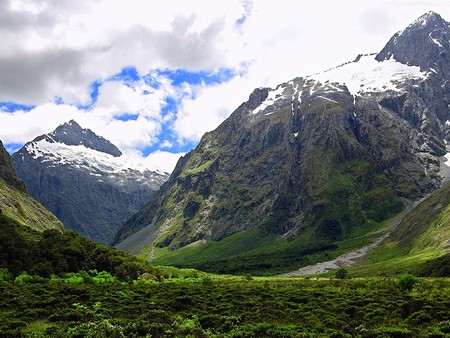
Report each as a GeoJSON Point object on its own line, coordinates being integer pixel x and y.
{"type": "Point", "coordinates": [212, 306]}
{"type": "Point", "coordinates": [249, 252]}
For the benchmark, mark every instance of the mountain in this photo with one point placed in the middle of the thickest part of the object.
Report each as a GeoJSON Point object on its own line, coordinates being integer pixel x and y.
{"type": "Point", "coordinates": [7, 173]}
{"type": "Point", "coordinates": [419, 244]}
{"type": "Point", "coordinates": [85, 180]}
{"type": "Point", "coordinates": [16, 204]}
{"type": "Point", "coordinates": [427, 226]}
{"type": "Point", "coordinates": [425, 43]}
{"type": "Point", "coordinates": [321, 157]}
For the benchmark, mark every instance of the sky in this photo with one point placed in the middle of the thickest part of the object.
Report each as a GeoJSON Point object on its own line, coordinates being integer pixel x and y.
{"type": "Point", "coordinates": [153, 76]}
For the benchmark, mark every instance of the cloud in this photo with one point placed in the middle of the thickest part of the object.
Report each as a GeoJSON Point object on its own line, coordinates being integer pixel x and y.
{"type": "Point", "coordinates": [132, 134]}
{"type": "Point", "coordinates": [206, 109]}
{"type": "Point", "coordinates": [57, 48]}
{"type": "Point", "coordinates": [151, 75]}
{"type": "Point", "coordinates": [115, 98]}
{"type": "Point", "coordinates": [21, 126]}
{"type": "Point", "coordinates": [163, 160]}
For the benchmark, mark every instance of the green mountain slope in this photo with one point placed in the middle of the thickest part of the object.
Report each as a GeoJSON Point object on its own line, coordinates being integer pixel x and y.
{"type": "Point", "coordinates": [428, 225]}
{"type": "Point", "coordinates": [15, 203]}
{"type": "Point", "coordinates": [420, 244]}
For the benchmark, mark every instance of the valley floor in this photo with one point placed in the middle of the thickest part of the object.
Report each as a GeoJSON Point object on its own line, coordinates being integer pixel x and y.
{"type": "Point", "coordinates": [355, 256]}
{"type": "Point", "coordinates": [342, 261]}
{"type": "Point", "coordinates": [228, 307]}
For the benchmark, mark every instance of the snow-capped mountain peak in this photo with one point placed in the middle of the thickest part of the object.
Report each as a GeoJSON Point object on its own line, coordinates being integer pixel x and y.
{"type": "Point", "coordinates": [81, 157]}
{"type": "Point", "coordinates": [85, 180]}
{"type": "Point", "coordinates": [424, 43]}
{"type": "Point", "coordinates": [70, 133]}
{"type": "Point", "coordinates": [363, 76]}
{"type": "Point", "coordinates": [71, 145]}
{"type": "Point", "coordinates": [430, 19]}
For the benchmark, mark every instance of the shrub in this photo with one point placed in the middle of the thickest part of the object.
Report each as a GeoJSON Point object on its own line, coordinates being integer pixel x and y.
{"type": "Point", "coordinates": [407, 282]}
{"type": "Point", "coordinates": [104, 277]}
{"type": "Point", "coordinates": [103, 328]}
{"type": "Point", "coordinates": [341, 274]}
{"type": "Point", "coordinates": [188, 327]}
{"type": "Point", "coordinates": [23, 278]}
{"type": "Point", "coordinates": [144, 281]}
{"type": "Point", "coordinates": [5, 275]}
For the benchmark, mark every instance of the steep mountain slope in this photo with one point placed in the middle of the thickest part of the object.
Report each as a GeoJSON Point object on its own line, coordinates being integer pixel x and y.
{"type": "Point", "coordinates": [7, 173]}
{"type": "Point", "coordinates": [427, 226]}
{"type": "Point", "coordinates": [85, 180]}
{"type": "Point", "coordinates": [15, 203]}
{"type": "Point", "coordinates": [420, 243]}
{"type": "Point", "coordinates": [320, 156]}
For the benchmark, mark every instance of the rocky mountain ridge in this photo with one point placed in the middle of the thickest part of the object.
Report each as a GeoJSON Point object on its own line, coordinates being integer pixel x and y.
{"type": "Point", "coordinates": [319, 156]}
{"type": "Point", "coordinates": [85, 180]}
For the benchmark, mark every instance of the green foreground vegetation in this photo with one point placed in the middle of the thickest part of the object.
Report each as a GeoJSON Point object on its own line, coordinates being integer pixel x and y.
{"type": "Point", "coordinates": [227, 307]}
{"type": "Point", "coordinates": [24, 250]}
{"type": "Point", "coordinates": [55, 284]}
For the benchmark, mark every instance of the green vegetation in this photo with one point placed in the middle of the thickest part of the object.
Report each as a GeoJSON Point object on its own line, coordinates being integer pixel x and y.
{"type": "Point", "coordinates": [228, 307]}
{"type": "Point", "coordinates": [24, 209]}
{"type": "Point", "coordinates": [419, 245]}
{"type": "Point", "coordinates": [354, 195]}
{"type": "Point", "coordinates": [428, 225]}
{"type": "Point", "coordinates": [25, 252]}
{"type": "Point", "coordinates": [437, 267]}
{"type": "Point", "coordinates": [250, 252]}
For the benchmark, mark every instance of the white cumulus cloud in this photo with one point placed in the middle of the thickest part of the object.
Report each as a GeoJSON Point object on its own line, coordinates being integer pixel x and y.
{"type": "Point", "coordinates": [56, 50]}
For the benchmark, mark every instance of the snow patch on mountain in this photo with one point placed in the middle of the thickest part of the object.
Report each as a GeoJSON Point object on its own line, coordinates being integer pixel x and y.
{"type": "Point", "coordinates": [363, 76]}
{"type": "Point", "coordinates": [436, 41]}
{"type": "Point", "coordinates": [81, 157]}
{"type": "Point", "coordinates": [274, 95]}
{"type": "Point", "coordinates": [368, 75]}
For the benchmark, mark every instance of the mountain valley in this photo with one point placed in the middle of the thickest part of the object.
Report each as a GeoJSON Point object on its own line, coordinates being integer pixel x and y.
{"type": "Point", "coordinates": [317, 160]}
{"type": "Point", "coordinates": [319, 208]}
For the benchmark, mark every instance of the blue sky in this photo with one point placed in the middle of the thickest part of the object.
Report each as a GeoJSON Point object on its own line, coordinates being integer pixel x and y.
{"type": "Point", "coordinates": [152, 77]}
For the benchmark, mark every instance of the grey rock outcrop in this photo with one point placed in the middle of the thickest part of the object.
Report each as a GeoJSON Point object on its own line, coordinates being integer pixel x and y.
{"type": "Point", "coordinates": [72, 134]}
{"type": "Point", "coordinates": [424, 43]}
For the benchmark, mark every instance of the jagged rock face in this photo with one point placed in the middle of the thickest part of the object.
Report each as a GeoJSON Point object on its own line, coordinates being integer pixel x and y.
{"type": "Point", "coordinates": [83, 179]}
{"type": "Point", "coordinates": [424, 43]}
{"type": "Point", "coordinates": [72, 134]}
{"type": "Point", "coordinates": [15, 202]}
{"type": "Point", "coordinates": [320, 155]}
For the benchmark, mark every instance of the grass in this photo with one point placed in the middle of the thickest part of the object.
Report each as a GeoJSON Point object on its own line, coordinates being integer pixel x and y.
{"type": "Point", "coordinates": [418, 240]}
{"type": "Point", "coordinates": [238, 243]}
{"type": "Point", "coordinates": [37, 328]}
{"type": "Point", "coordinates": [251, 252]}
{"type": "Point", "coordinates": [389, 260]}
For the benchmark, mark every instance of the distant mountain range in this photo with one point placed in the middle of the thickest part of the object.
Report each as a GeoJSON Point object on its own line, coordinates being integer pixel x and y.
{"type": "Point", "coordinates": [318, 158]}
{"type": "Point", "coordinates": [85, 180]}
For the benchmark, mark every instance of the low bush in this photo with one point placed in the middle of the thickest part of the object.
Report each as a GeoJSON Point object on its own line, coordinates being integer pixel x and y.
{"type": "Point", "coordinates": [225, 307]}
